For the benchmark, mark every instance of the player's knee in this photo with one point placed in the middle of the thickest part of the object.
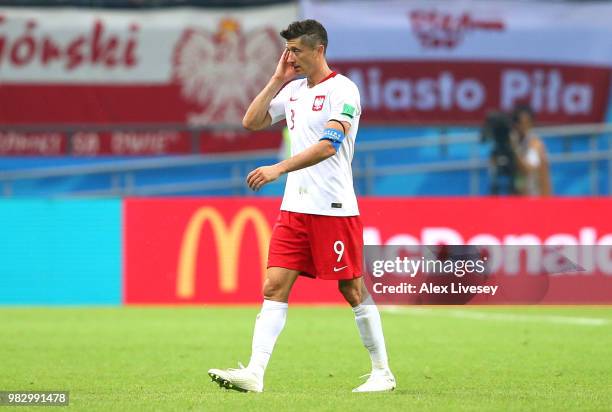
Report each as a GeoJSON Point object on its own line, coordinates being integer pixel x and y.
{"type": "Point", "coordinates": [352, 292]}
{"type": "Point", "coordinates": [274, 290]}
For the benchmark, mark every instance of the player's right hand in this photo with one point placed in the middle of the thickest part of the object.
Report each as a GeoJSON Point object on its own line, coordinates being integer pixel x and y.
{"type": "Point", "coordinates": [285, 70]}
{"type": "Point", "coordinates": [262, 175]}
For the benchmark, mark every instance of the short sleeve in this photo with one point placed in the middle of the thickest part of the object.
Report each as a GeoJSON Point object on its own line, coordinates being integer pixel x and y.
{"type": "Point", "coordinates": [345, 103]}
{"type": "Point", "coordinates": [277, 105]}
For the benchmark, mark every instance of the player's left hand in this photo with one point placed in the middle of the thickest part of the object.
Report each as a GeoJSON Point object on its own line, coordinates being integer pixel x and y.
{"type": "Point", "coordinates": [262, 175]}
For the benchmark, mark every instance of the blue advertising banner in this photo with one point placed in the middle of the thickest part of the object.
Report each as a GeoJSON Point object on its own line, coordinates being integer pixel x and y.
{"type": "Point", "coordinates": [60, 252]}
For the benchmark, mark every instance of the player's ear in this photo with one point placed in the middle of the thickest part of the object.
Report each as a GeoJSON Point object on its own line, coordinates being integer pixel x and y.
{"type": "Point", "coordinates": [321, 50]}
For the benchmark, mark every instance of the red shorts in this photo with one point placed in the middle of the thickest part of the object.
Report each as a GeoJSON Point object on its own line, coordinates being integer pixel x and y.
{"type": "Point", "coordinates": [325, 247]}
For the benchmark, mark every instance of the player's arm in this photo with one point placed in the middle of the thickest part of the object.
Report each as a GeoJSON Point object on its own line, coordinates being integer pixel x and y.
{"type": "Point", "coordinates": [326, 147]}
{"type": "Point", "coordinates": [257, 116]}
{"type": "Point", "coordinates": [323, 149]}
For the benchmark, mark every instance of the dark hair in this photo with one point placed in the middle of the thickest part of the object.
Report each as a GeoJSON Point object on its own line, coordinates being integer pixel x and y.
{"type": "Point", "coordinates": [310, 31]}
{"type": "Point", "coordinates": [520, 109]}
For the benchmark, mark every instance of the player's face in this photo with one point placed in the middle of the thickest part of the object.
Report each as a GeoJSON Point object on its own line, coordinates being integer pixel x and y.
{"type": "Point", "coordinates": [302, 57]}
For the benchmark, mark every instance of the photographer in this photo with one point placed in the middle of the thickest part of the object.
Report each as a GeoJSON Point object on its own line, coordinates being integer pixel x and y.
{"type": "Point", "coordinates": [532, 171]}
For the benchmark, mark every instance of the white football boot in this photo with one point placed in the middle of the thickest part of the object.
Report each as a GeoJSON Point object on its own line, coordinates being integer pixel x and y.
{"type": "Point", "coordinates": [242, 379]}
{"type": "Point", "coordinates": [378, 381]}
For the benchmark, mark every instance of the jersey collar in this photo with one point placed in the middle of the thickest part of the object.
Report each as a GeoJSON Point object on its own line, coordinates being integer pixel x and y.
{"type": "Point", "coordinates": [332, 74]}
{"type": "Point", "coordinates": [329, 76]}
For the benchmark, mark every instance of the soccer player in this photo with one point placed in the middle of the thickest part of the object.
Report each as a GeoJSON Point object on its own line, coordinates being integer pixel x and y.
{"type": "Point", "coordinates": [318, 232]}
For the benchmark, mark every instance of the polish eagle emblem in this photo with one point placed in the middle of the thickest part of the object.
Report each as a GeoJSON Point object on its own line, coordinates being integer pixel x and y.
{"type": "Point", "coordinates": [223, 71]}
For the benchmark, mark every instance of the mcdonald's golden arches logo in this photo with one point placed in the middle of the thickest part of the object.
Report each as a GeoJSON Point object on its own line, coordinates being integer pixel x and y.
{"type": "Point", "coordinates": [228, 239]}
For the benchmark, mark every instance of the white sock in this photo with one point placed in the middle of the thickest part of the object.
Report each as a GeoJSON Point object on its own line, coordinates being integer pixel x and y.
{"type": "Point", "coordinates": [268, 325]}
{"type": "Point", "coordinates": [370, 330]}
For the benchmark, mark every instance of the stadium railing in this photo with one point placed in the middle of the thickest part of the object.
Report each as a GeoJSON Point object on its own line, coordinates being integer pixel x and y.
{"type": "Point", "coordinates": [589, 145]}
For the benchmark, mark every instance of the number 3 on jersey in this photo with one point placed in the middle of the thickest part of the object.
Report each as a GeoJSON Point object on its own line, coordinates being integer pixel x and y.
{"type": "Point", "coordinates": [292, 120]}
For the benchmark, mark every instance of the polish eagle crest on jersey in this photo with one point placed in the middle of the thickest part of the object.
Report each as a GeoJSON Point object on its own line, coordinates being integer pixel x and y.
{"type": "Point", "coordinates": [317, 105]}
{"type": "Point", "coordinates": [222, 71]}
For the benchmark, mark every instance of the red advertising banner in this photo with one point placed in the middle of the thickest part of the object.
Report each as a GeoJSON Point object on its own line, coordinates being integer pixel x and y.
{"type": "Point", "coordinates": [213, 250]}
{"type": "Point", "coordinates": [203, 251]}
{"type": "Point", "coordinates": [130, 143]}
{"type": "Point", "coordinates": [32, 144]}
{"type": "Point", "coordinates": [442, 91]}
{"type": "Point", "coordinates": [135, 143]}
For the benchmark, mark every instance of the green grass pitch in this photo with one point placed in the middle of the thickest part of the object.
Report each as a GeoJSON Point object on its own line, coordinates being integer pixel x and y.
{"type": "Point", "coordinates": [444, 358]}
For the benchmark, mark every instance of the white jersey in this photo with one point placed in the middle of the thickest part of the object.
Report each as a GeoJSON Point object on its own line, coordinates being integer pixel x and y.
{"type": "Point", "coordinates": [327, 187]}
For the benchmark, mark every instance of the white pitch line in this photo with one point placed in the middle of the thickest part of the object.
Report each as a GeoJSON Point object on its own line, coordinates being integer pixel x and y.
{"type": "Point", "coordinates": [504, 317]}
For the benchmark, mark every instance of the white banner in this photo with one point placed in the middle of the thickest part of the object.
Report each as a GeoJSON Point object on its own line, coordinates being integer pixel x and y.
{"type": "Point", "coordinates": [435, 61]}
{"type": "Point", "coordinates": [200, 66]}
{"type": "Point", "coordinates": [515, 31]}
{"type": "Point", "coordinates": [420, 62]}
{"type": "Point", "coordinates": [91, 46]}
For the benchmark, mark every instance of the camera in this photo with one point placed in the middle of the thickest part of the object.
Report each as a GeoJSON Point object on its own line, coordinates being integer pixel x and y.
{"type": "Point", "coordinates": [496, 129]}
